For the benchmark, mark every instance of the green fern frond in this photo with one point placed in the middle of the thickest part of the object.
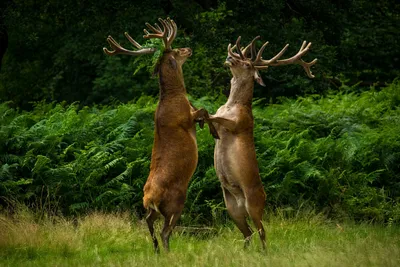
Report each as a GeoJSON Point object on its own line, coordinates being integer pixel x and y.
{"type": "Point", "coordinates": [142, 62]}
{"type": "Point", "coordinates": [41, 164]}
{"type": "Point", "coordinates": [121, 177]}
{"type": "Point", "coordinates": [113, 163]}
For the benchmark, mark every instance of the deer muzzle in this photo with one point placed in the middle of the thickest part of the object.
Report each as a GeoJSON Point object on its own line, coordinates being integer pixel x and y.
{"type": "Point", "coordinates": [187, 52]}
{"type": "Point", "coordinates": [229, 61]}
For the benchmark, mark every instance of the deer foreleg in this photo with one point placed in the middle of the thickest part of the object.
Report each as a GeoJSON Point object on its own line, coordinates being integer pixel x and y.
{"type": "Point", "coordinates": [229, 124]}
{"type": "Point", "coordinates": [201, 115]}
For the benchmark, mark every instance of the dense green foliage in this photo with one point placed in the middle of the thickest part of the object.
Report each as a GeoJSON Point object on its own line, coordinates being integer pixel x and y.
{"type": "Point", "coordinates": [55, 47]}
{"type": "Point", "coordinates": [339, 154]}
{"type": "Point", "coordinates": [91, 158]}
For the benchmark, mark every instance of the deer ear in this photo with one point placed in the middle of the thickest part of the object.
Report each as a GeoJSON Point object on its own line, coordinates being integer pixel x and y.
{"type": "Point", "coordinates": [258, 78]}
{"type": "Point", "coordinates": [172, 62]}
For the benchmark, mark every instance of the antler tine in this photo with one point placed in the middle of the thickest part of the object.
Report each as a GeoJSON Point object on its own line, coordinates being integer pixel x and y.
{"type": "Point", "coordinates": [304, 44]}
{"type": "Point", "coordinates": [156, 30]}
{"type": "Point", "coordinates": [146, 32]}
{"type": "Point", "coordinates": [238, 47]}
{"type": "Point", "coordinates": [113, 44]}
{"type": "Point", "coordinates": [130, 39]}
{"type": "Point", "coordinates": [231, 53]}
{"type": "Point", "coordinates": [244, 51]}
{"type": "Point", "coordinates": [252, 48]}
{"type": "Point", "coordinates": [275, 58]}
{"type": "Point", "coordinates": [158, 27]}
{"type": "Point", "coordinates": [118, 49]}
{"type": "Point", "coordinates": [259, 54]}
{"type": "Point", "coordinates": [307, 65]}
{"type": "Point", "coordinates": [259, 62]}
{"type": "Point", "coordinates": [230, 50]}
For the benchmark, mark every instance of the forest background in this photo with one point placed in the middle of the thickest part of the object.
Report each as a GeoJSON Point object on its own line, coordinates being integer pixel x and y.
{"type": "Point", "coordinates": [76, 126]}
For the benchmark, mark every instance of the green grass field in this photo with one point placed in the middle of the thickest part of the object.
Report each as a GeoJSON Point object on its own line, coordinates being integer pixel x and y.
{"type": "Point", "coordinates": [117, 240]}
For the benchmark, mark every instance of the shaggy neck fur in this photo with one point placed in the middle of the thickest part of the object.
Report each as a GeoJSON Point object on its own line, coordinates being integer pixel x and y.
{"type": "Point", "coordinates": [171, 79]}
{"type": "Point", "coordinates": [241, 91]}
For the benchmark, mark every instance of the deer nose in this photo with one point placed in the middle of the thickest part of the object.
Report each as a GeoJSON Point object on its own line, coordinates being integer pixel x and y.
{"type": "Point", "coordinates": [187, 51]}
{"type": "Point", "coordinates": [228, 61]}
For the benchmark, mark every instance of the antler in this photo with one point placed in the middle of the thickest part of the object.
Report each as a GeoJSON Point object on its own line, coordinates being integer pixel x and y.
{"type": "Point", "coordinates": [260, 63]}
{"type": "Point", "coordinates": [167, 33]}
{"type": "Point", "coordinates": [118, 49]}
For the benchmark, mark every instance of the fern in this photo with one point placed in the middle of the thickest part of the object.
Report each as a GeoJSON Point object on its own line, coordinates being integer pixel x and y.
{"type": "Point", "coordinates": [339, 153]}
{"type": "Point", "coordinates": [142, 63]}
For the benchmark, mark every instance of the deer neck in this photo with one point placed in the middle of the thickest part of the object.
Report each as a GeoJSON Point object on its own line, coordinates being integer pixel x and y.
{"type": "Point", "coordinates": [241, 91]}
{"type": "Point", "coordinates": [171, 82]}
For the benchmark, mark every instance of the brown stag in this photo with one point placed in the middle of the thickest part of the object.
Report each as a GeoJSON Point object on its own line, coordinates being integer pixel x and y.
{"type": "Point", "coordinates": [234, 155]}
{"type": "Point", "coordinates": [174, 155]}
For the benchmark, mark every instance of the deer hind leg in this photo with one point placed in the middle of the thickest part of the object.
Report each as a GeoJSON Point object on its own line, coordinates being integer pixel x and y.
{"type": "Point", "coordinates": [150, 218]}
{"type": "Point", "coordinates": [169, 224]}
{"type": "Point", "coordinates": [238, 213]}
{"type": "Point", "coordinates": [255, 203]}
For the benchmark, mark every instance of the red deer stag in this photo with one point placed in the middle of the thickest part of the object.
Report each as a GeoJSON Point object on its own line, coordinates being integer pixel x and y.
{"type": "Point", "coordinates": [174, 155]}
{"type": "Point", "coordinates": [234, 155]}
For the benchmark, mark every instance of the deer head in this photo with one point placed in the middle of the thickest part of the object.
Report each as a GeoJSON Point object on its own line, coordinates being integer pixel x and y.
{"type": "Point", "coordinates": [173, 57]}
{"type": "Point", "coordinates": [243, 66]}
